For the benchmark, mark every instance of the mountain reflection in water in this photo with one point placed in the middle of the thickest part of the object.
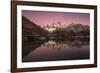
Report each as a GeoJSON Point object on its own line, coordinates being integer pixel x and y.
{"type": "Point", "coordinates": [52, 50]}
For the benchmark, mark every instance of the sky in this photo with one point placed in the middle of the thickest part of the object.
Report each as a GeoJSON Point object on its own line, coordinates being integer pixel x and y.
{"type": "Point", "coordinates": [44, 18]}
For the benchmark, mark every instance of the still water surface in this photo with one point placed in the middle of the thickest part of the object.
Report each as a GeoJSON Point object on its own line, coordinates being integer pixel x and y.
{"type": "Point", "coordinates": [51, 50]}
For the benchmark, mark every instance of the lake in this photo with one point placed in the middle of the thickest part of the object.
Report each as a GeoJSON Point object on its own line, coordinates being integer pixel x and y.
{"type": "Point", "coordinates": [55, 50]}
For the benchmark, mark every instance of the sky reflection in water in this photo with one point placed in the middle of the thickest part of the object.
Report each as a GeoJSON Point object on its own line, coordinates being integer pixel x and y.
{"type": "Point", "coordinates": [57, 50]}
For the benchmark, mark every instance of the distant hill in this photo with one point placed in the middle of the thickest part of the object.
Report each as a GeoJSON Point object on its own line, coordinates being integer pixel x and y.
{"type": "Point", "coordinates": [31, 28]}
{"type": "Point", "coordinates": [73, 30]}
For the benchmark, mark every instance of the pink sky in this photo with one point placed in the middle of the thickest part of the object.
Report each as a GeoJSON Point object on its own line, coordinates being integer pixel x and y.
{"type": "Point", "coordinates": [43, 18]}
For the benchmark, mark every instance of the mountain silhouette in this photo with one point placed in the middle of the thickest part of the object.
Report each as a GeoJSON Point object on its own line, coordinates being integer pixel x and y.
{"type": "Point", "coordinates": [31, 28]}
